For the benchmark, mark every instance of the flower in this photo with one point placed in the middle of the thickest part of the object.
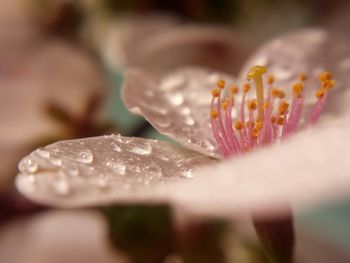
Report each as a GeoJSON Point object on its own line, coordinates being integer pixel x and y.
{"type": "Point", "coordinates": [119, 169]}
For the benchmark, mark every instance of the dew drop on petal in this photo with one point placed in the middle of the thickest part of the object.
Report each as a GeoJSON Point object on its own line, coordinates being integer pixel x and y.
{"type": "Point", "coordinates": [187, 174]}
{"type": "Point", "coordinates": [118, 167]}
{"type": "Point", "coordinates": [185, 110]}
{"type": "Point", "coordinates": [115, 147]}
{"type": "Point", "coordinates": [29, 165]}
{"type": "Point", "coordinates": [85, 156]}
{"type": "Point", "coordinates": [171, 83]}
{"type": "Point", "coordinates": [42, 153]}
{"type": "Point", "coordinates": [145, 149]}
{"type": "Point", "coordinates": [189, 120]}
{"type": "Point", "coordinates": [56, 161]}
{"type": "Point", "coordinates": [176, 98]}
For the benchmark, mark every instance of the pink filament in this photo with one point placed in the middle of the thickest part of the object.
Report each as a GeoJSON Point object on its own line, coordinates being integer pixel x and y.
{"type": "Point", "coordinates": [233, 142]}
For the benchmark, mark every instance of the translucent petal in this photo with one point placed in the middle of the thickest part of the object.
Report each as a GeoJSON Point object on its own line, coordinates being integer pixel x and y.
{"type": "Point", "coordinates": [176, 105]}
{"type": "Point", "coordinates": [104, 169]}
{"type": "Point", "coordinates": [160, 45]}
{"type": "Point", "coordinates": [311, 168]}
{"type": "Point", "coordinates": [213, 47]}
{"type": "Point", "coordinates": [309, 51]}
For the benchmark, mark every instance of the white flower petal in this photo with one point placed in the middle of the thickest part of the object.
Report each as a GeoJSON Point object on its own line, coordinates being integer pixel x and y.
{"type": "Point", "coordinates": [176, 105]}
{"type": "Point", "coordinates": [103, 169]}
{"type": "Point", "coordinates": [310, 168]}
{"type": "Point", "coordinates": [309, 51]}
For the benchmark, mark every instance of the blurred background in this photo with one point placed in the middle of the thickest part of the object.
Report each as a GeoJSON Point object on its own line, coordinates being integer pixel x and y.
{"type": "Point", "coordinates": [61, 68]}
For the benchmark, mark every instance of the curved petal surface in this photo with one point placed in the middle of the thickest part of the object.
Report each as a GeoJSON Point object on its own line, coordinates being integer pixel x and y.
{"type": "Point", "coordinates": [311, 168]}
{"type": "Point", "coordinates": [309, 51]}
{"type": "Point", "coordinates": [176, 105]}
{"type": "Point", "coordinates": [104, 169]}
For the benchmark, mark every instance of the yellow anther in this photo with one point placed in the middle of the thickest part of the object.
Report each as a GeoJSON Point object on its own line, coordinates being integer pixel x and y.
{"type": "Point", "coordinates": [258, 125]}
{"type": "Point", "coordinates": [246, 87]}
{"type": "Point", "coordinates": [221, 84]}
{"type": "Point", "coordinates": [215, 92]}
{"type": "Point", "coordinates": [234, 89]}
{"type": "Point", "coordinates": [283, 107]}
{"type": "Point", "coordinates": [281, 94]}
{"type": "Point", "coordinates": [225, 104]}
{"type": "Point", "coordinates": [239, 125]}
{"type": "Point", "coordinates": [328, 84]}
{"type": "Point", "coordinates": [214, 114]}
{"type": "Point", "coordinates": [256, 72]}
{"type": "Point", "coordinates": [280, 120]}
{"type": "Point", "coordinates": [270, 79]}
{"type": "Point", "coordinates": [298, 89]}
{"type": "Point", "coordinates": [274, 92]}
{"type": "Point", "coordinates": [252, 105]}
{"type": "Point", "coordinates": [273, 119]}
{"type": "Point", "coordinates": [320, 93]}
{"type": "Point", "coordinates": [302, 77]}
{"type": "Point", "coordinates": [278, 93]}
{"type": "Point", "coordinates": [325, 76]}
{"type": "Point", "coordinates": [255, 133]}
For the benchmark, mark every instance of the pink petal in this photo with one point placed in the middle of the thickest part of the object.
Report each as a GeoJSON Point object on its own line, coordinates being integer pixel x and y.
{"type": "Point", "coordinates": [176, 105]}
{"type": "Point", "coordinates": [59, 236]}
{"type": "Point", "coordinates": [309, 168]}
{"type": "Point", "coordinates": [159, 44]}
{"type": "Point", "coordinates": [51, 71]}
{"type": "Point", "coordinates": [309, 51]}
{"type": "Point", "coordinates": [103, 170]}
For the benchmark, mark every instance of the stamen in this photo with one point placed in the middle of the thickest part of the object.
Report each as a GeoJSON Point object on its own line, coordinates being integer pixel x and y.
{"type": "Point", "coordinates": [256, 73]}
{"type": "Point", "coordinates": [270, 123]}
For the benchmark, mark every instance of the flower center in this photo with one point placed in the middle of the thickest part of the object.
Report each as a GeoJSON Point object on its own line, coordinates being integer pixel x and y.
{"type": "Point", "coordinates": [269, 118]}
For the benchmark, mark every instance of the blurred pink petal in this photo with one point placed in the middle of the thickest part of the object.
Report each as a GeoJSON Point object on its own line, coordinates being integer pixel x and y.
{"type": "Point", "coordinates": [59, 236]}
{"type": "Point", "coordinates": [161, 43]}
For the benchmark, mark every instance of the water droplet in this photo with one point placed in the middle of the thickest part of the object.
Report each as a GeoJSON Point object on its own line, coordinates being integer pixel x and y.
{"type": "Point", "coordinates": [172, 82]}
{"type": "Point", "coordinates": [185, 111]}
{"type": "Point", "coordinates": [164, 158]}
{"type": "Point", "coordinates": [120, 168]}
{"type": "Point", "coordinates": [116, 137]}
{"type": "Point", "coordinates": [85, 156]}
{"type": "Point", "coordinates": [175, 98]}
{"type": "Point", "coordinates": [56, 161]}
{"type": "Point", "coordinates": [29, 166]}
{"type": "Point", "coordinates": [143, 149]}
{"type": "Point", "coordinates": [115, 147]}
{"type": "Point", "coordinates": [187, 174]}
{"type": "Point", "coordinates": [189, 120]}
{"type": "Point", "coordinates": [42, 153]}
